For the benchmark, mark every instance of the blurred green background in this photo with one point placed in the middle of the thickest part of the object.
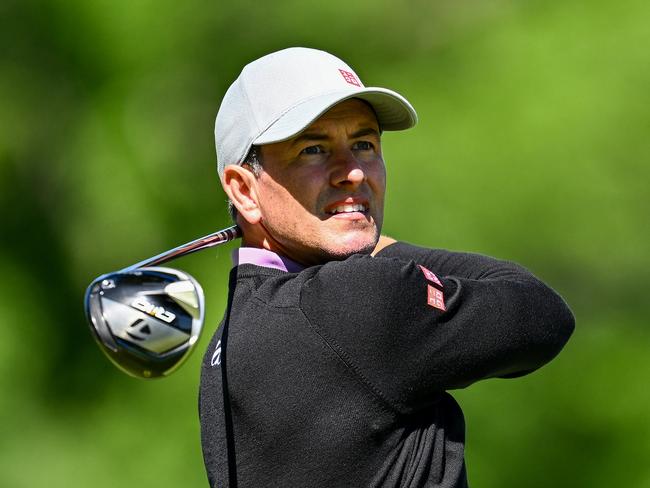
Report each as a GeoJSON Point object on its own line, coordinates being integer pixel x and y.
{"type": "Point", "coordinates": [533, 145]}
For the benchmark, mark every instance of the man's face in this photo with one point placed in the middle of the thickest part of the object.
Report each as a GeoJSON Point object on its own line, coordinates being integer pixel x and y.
{"type": "Point", "coordinates": [321, 194]}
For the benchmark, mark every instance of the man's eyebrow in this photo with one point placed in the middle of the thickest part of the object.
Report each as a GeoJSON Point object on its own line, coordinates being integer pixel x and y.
{"type": "Point", "coordinates": [366, 131]}
{"type": "Point", "coordinates": [309, 136]}
{"type": "Point", "coordinates": [319, 136]}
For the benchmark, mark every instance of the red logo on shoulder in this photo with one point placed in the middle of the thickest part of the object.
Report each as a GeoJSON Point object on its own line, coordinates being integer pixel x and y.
{"type": "Point", "coordinates": [351, 78]}
{"type": "Point", "coordinates": [431, 276]}
{"type": "Point", "coordinates": [435, 298]}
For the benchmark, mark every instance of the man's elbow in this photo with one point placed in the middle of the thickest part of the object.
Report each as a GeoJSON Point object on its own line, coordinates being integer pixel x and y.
{"type": "Point", "coordinates": [545, 337]}
{"type": "Point", "coordinates": [559, 329]}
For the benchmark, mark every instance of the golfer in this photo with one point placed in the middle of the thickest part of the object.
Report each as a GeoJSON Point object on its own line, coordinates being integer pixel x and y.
{"type": "Point", "coordinates": [338, 347]}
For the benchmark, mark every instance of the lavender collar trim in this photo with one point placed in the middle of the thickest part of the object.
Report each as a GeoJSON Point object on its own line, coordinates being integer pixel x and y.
{"type": "Point", "coordinates": [264, 257]}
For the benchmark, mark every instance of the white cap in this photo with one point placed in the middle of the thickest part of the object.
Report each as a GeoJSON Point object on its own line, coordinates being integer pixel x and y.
{"type": "Point", "coordinates": [279, 95]}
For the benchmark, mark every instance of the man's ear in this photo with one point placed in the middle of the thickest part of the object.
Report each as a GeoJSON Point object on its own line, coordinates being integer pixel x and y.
{"type": "Point", "coordinates": [240, 184]}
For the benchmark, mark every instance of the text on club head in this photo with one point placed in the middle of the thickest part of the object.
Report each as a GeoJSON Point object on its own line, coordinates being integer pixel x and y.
{"type": "Point", "coordinates": [151, 309]}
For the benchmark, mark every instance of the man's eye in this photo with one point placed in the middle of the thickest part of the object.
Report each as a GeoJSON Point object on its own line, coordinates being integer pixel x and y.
{"type": "Point", "coordinates": [363, 145]}
{"type": "Point", "coordinates": [312, 150]}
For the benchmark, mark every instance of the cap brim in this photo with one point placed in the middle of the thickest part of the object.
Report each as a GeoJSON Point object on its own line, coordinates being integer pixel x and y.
{"type": "Point", "coordinates": [393, 112]}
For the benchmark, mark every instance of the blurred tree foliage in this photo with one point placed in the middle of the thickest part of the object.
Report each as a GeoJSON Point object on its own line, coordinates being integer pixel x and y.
{"type": "Point", "coordinates": [532, 146]}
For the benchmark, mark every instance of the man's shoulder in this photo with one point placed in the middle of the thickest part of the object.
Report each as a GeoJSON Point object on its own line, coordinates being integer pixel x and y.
{"type": "Point", "coordinates": [358, 272]}
{"type": "Point", "coordinates": [284, 289]}
{"type": "Point", "coordinates": [273, 287]}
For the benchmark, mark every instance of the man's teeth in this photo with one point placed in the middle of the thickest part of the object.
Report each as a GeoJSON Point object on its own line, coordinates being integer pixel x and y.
{"type": "Point", "coordinates": [357, 207]}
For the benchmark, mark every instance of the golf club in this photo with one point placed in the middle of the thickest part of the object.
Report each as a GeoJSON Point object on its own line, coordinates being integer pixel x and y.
{"type": "Point", "coordinates": [146, 319]}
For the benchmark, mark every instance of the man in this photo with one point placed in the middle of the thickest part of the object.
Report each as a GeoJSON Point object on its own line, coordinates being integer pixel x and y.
{"type": "Point", "coordinates": [332, 365]}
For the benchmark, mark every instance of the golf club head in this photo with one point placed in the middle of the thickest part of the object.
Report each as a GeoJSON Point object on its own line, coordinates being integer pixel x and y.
{"type": "Point", "coordinates": [146, 320]}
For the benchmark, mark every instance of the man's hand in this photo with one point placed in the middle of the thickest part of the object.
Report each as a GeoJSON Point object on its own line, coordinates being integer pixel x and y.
{"type": "Point", "coordinates": [382, 243]}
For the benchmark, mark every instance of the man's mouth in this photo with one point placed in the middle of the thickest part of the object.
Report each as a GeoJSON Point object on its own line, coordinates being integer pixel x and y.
{"type": "Point", "coordinates": [348, 208]}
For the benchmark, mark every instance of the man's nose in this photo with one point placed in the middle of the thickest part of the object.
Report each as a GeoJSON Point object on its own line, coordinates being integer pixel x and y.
{"type": "Point", "coordinates": [347, 170]}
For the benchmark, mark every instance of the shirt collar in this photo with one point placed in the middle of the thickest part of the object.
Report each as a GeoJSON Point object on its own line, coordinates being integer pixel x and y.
{"type": "Point", "coordinates": [265, 258]}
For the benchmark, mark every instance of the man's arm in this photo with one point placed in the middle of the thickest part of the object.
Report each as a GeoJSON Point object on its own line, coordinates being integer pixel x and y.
{"type": "Point", "coordinates": [410, 338]}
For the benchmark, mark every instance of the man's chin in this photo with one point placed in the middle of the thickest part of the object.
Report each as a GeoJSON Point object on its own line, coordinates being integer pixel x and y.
{"type": "Point", "coordinates": [343, 250]}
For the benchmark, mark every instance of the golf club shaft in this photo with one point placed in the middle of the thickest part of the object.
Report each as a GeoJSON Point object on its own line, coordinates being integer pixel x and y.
{"type": "Point", "coordinates": [214, 239]}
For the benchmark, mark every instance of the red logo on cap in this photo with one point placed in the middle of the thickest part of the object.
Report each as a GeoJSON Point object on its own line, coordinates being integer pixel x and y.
{"type": "Point", "coordinates": [435, 298]}
{"type": "Point", "coordinates": [350, 77]}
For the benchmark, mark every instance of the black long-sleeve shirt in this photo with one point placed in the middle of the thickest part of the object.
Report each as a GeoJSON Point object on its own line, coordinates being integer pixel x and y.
{"type": "Point", "coordinates": [337, 376]}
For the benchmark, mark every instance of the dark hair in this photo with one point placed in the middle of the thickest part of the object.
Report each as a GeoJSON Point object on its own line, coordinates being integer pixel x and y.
{"type": "Point", "coordinates": [254, 161]}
